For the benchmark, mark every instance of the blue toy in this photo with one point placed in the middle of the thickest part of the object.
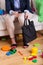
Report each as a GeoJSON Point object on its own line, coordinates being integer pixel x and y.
{"type": "Point", "coordinates": [8, 53]}
{"type": "Point", "coordinates": [11, 52]}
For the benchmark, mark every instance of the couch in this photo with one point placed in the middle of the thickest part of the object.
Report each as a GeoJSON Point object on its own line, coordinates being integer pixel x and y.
{"type": "Point", "coordinates": [3, 29]}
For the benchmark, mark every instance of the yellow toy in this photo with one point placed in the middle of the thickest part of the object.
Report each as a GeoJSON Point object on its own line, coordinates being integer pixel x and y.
{"type": "Point", "coordinates": [34, 51]}
{"type": "Point", "coordinates": [25, 58]}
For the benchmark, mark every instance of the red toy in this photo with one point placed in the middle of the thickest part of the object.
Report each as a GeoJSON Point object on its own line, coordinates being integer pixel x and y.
{"type": "Point", "coordinates": [30, 58]}
{"type": "Point", "coordinates": [34, 56]}
{"type": "Point", "coordinates": [42, 55]}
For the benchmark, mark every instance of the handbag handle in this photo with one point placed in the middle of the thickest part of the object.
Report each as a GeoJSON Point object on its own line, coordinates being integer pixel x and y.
{"type": "Point", "coordinates": [25, 22]}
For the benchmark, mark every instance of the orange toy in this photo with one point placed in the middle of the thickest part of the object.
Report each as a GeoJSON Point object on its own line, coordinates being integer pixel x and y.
{"type": "Point", "coordinates": [20, 53]}
{"type": "Point", "coordinates": [5, 48]}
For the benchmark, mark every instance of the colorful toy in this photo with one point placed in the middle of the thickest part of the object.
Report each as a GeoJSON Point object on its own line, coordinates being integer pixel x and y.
{"type": "Point", "coordinates": [34, 54]}
{"type": "Point", "coordinates": [35, 61]}
{"type": "Point", "coordinates": [5, 48]}
{"type": "Point", "coordinates": [36, 45]}
{"type": "Point", "coordinates": [20, 53]}
{"type": "Point", "coordinates": [11, 52]}
{"type": "Point", "coordinates": [35, 50]}
{"type": "Point", "coordinates": [42, 55]}
{"type": "Point", "coordinates": [39, 51]}
{"type": "Point", "coordinates": [34, 57]}
{"type": "Point", "coordinates": [25, 58]}
{"type": "Point", "coordinates": [8, 54]}
{"type": "Point", "coordinates": [30, 58]}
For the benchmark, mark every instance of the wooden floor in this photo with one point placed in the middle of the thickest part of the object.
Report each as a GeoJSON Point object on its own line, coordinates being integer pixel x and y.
{"type": "Point", "coordinates": [17, 59]}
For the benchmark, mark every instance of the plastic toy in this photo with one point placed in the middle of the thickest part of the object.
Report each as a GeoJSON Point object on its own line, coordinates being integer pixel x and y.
{"type": "Point", "coordinates": [36, 45]}
{"type": "Point", "coordinates": [5, 48]}
{"type": "Point", "coordinates": [39, 51]}
{"type": "Point", "coordinates": [30, 58]}
{"type": "Point", "coordinates": [25, 58]}
{"type": "Point", "coordinates": [35, 61]}
{"type": "Point", "coordinates": [34, 56]}
{"type": "Point", "coordinates": [35, 50]}
{"type": "Point", "coordinates": [20, 53]}
{"type": "Point", "coordinates": [8, 53]}
{"type": "Point", "coordinates": [11, 52]}
{"type": "Point", "coordinates": [42, 55]}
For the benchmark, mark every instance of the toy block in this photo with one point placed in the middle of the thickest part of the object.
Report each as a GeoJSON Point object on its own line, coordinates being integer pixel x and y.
{"type": "Point", "coordinates": [34, 56]}
{"type": "Point", "coordinates": [13, 51]}
{"type": "Point", "coordinates": [8, 53]}
{"type": "Point", "coordinates": [20, 53]}
{"type": "Point", "coordinates": [5, 48]}
{"type": "Point", "coordinates": [25, 58]}
{"type": "Point", "coordinates": [35, 61]}
{"type": "Point", "coordinates": [36, 45]}
{"type": "Point", "coordinates": [39, 51]}
{"type": "Point", "coordinates": [30, 58]}
{"type": "Point", "coordinates": [42, 55]}
{"type": "Point", "coordinates": [34, 50]}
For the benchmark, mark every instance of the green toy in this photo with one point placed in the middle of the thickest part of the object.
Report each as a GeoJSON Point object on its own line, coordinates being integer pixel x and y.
{"type": "Point", "coordinates": [13, 51]}
{"type": "Point", "coordinates": [35, 61]}
{"type": "Point", "coordinates": [39, 6]}
{"type": "Point", "coordinates": [36, 45]}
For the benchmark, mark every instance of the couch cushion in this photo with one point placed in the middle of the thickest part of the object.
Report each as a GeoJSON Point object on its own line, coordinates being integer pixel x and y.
{"type": "Point", "coordinates": [35, 19]}
{"type": "Point", "coordinates": [2, 23]}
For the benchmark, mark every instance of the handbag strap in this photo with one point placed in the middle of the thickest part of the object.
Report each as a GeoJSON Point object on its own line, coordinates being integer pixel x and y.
{"type": "Point", "coordinates": [29, 21]}
{"type": "Point", "coordinates": [25, 22]}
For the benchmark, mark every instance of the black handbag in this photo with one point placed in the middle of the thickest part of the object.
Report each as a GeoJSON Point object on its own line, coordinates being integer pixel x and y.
{"type": "Point", "coordinates": [28, 32]}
